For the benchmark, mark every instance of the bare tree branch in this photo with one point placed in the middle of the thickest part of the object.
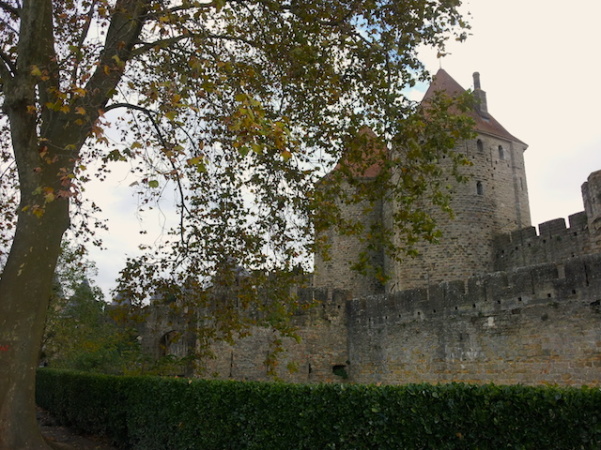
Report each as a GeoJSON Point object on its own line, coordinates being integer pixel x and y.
{"type": "Point", "coordinates": [147, 46]}
{"type": "Point", "coordinates": [7, 70]}
{"type": "Point", "coordinates": [47, 60]}
{"type": "Point", "coordinates": [150, 115]}
{"type": "Point", "coordinates": [82, 38]}
{"type": "Point", "coordinates": [125, 28]}
{"type": "Point", "coordinates": [185, 7]}
{"type": "Point", "coordinates": [9, 25]}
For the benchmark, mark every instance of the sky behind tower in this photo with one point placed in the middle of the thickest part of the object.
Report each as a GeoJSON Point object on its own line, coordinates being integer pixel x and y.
{"type": "Point", "coordinates": [538, 64]}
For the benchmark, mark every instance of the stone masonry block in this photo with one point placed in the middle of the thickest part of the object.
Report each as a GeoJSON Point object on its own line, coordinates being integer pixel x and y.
{"type": "Point", "coordinates": [523, 234]}
{"type": "Point", "coordinates": [592, 265]}
{"type": "Point", "coordinates": [455, 293]}
{"type": "Point", "coordinates": [521, 281]}
{"type": "Point", "coordinates": [496, 285]}
{"type": "Point", "coordinates": [552, 227]}
{"type": "Point", "coordinates": [578, 221]}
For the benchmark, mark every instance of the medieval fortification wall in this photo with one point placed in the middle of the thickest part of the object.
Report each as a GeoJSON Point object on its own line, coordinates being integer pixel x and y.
{"type": "Point", "coordinates": [531, 325]}
{"type": "Point", "coordinates": [537, 319]}
{"type": "Point", "coordinates": [495, 301]}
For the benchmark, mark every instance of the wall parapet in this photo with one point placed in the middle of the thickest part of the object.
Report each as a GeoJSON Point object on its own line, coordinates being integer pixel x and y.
{"type": "Point", "coordinates": [577, 279]}
{"type": "Point", "coordinates": [554, 242]}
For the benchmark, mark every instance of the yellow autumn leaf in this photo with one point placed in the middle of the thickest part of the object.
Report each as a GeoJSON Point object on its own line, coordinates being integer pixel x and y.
{"type": "Point", "coordinates": [37, 211]}
{"type": "Point", "coordinates": [118, 60]}
{"type": "Point", "coordinates": [53, 106]}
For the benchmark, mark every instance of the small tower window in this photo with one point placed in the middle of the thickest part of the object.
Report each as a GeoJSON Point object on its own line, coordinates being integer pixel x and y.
{"type": "Point", "coordinates": [479, 188]}
{"type": "Point", "coordinates": [501, 152]}
{"type": "Point", "coordinates": [480, 145]}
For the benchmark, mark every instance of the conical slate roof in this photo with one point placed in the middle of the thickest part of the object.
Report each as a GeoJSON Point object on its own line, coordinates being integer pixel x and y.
{"type": "Point", "coordinates": [441, 82]}
{"type": "Point", "coordinates": [485, 123]}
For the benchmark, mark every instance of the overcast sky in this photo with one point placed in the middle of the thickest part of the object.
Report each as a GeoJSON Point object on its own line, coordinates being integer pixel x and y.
{"type": "Point", "coordinates": [538, 65]}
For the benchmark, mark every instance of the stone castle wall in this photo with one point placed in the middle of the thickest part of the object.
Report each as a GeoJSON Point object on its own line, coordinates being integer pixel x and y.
{"type": "Point", "coordinates": [336, 272]}
{"type": "Point", "coordinates": [322, 347]}
{"type": "Point", "coordinates": [536, 319]}
{"type": "Point", "coordinates": [532, 325]}
{"type": "Point", "coordinates": [537, 324]}
{"type": "Point", "coordinates": [554, 242]}
{"type": "Point", "coordinates": [526, 308]}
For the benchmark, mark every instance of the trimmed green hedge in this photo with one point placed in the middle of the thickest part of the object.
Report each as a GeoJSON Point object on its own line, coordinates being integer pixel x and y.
{"type": "Point", "coordinates": [165, 413]}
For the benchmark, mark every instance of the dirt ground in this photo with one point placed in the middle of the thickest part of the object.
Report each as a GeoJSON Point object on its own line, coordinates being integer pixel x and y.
{"type": "Point", "coordinates": [63, 438]}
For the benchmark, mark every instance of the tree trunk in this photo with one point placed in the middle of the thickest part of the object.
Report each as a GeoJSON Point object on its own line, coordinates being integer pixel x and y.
{"type": "Point", "coordinates": [24, 291]}
{"type": "Point", "coordinates": [46, 147]}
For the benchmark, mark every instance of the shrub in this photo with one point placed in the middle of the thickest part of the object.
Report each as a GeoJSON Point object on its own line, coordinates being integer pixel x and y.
{"type": "Point", "coordinates": [169, 413]}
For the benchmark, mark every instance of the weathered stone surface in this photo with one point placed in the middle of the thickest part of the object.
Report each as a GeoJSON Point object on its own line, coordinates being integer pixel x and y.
{"type": "Point", "coordinates": [492, 302]}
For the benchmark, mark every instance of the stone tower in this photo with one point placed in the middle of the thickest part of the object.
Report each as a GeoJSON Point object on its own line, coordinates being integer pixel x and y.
{"type": "Point", "coordinates": [591, 196]}
{"type": "Point", "coordinates": [336, 272]}
{"type": "Point", "coordinates": [493, 201]}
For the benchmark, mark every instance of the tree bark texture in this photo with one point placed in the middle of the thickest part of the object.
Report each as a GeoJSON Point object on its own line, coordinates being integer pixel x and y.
{"type": "Point", "coordinates": [24, 292]}
{"type": "Point", "coordinates": [46, 146]}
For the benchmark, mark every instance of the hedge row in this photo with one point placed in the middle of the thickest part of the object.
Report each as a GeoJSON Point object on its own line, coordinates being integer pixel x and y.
{"type": "Point", "coordinates": [162, 413]}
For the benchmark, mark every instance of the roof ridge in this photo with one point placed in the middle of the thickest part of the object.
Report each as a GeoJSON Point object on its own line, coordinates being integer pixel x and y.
{"type": "Point", "coordinates": [485, 122]}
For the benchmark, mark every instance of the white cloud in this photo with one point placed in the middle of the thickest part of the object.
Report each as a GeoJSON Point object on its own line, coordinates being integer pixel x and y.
{"type": "Point", "coordinates": [128, 229]}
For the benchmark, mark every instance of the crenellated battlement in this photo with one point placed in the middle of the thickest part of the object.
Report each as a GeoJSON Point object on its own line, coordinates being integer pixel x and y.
{"type": "Point", "coordinates": [578, 279]}
{"type": "Point", "coordinates": [531, 325]}
{"type": "Point", "coordinates": [554, 242]}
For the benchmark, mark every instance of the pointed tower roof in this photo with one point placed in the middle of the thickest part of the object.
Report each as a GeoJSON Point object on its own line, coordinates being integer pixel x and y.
{"type": "Point", "coordinates": [366, 141]}
{"type": "Point", "coordinates": [485, 123]}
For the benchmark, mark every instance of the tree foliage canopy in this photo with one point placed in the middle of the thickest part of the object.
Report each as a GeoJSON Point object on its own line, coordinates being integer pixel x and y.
{"type": "Point", "coordinates": [240, 105]}
{"type": "Point", "coordinates": [80, 332]}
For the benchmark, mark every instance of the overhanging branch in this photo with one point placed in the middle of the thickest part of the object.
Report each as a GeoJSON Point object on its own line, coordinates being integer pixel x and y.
{"type": "Point", "coordinates": [7, 68]}
{"type": "Point", "coordinates": [150, 115]}
{"type": "Point", "coordinates": [82, 37]}
{"type": "Point", "coordinates": [163, 43]}
{"type": "Point", "coordinates": [124, 30]}
{"type": "Point", "coordinates": [10, 8]}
